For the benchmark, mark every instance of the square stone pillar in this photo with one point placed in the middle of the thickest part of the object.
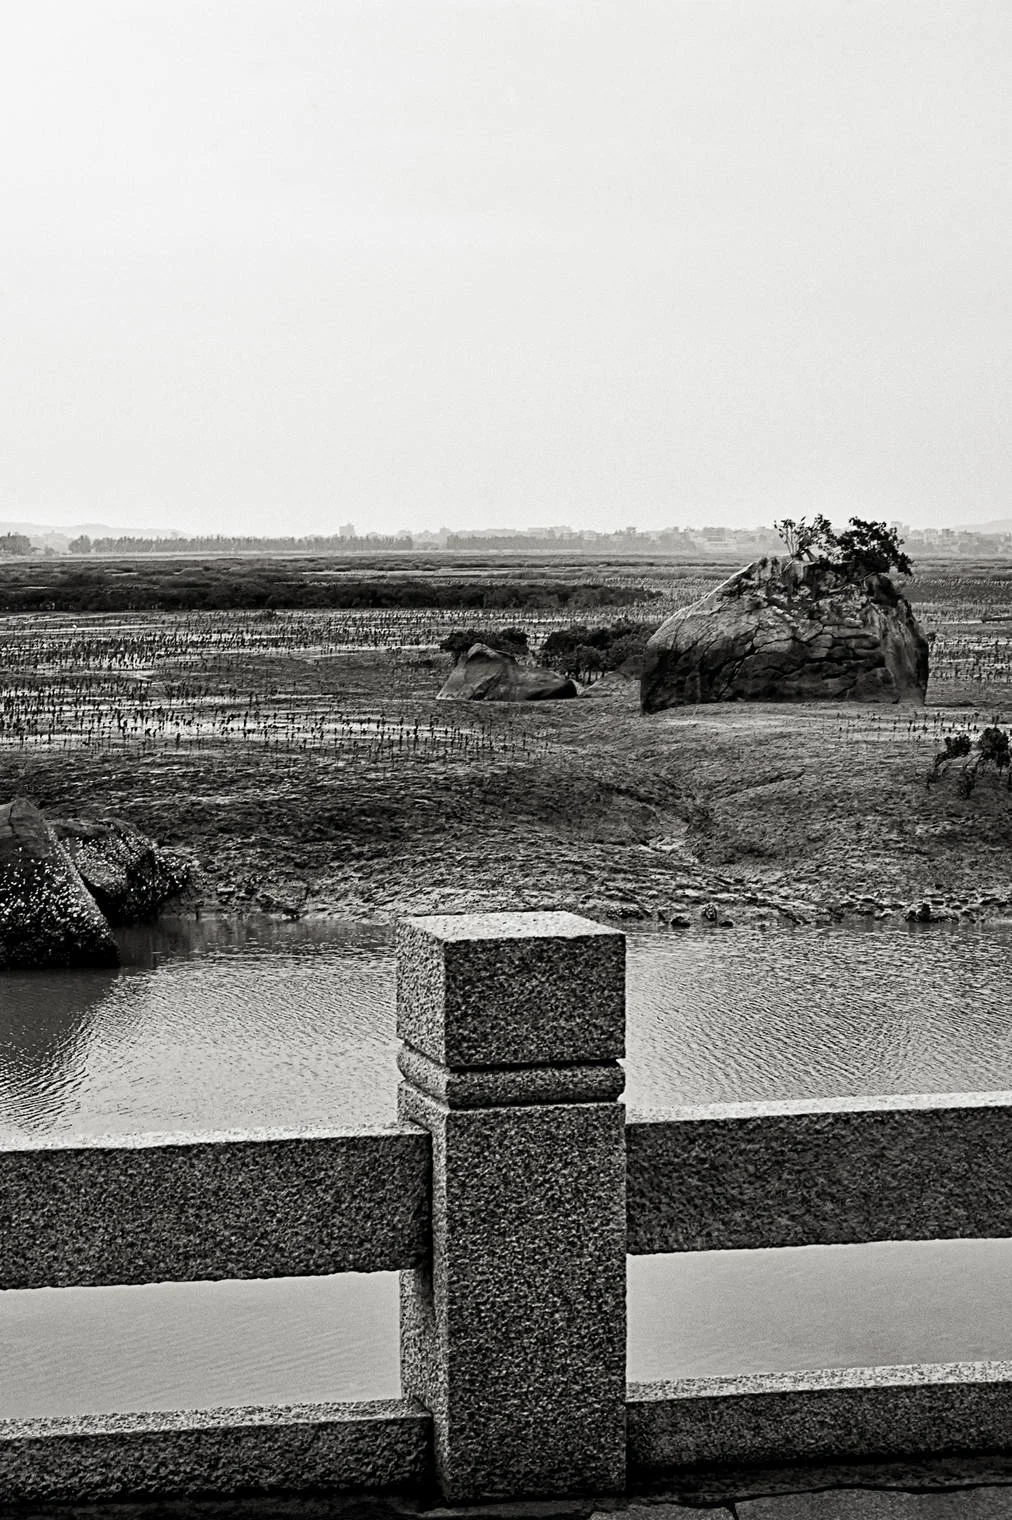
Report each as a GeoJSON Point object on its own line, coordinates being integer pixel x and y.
{"type": "Point", "coordinates": [514, 1334]}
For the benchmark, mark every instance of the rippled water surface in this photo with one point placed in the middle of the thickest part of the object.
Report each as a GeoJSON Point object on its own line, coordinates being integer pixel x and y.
{"type": "Point", "coordinates": [225, 1025]}
{"type": "Point", "coordinates": [208, 1026]}
{"type": "Point", "coordinates": [220, 1026]}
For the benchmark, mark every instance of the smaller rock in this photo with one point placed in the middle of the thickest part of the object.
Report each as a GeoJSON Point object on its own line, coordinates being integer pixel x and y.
{"type": "Point", "coordinates": [47, 916]}
{"type": "Point", "coordinates": [128, 874]}
{"type": "Point", "coordinates": [485, 675]}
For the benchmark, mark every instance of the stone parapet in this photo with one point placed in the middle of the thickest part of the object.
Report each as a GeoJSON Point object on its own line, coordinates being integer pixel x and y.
{"type": "Point", "coordinates": [513, 1333]}
{"type": "Point", "coordinates": [508, 1197]}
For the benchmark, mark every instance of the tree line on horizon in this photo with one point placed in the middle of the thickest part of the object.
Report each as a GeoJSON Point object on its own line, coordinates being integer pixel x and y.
{"type": "Point", "coordinates": [218, 543]}
{"type": "Point", "coordinates": [242, 585]}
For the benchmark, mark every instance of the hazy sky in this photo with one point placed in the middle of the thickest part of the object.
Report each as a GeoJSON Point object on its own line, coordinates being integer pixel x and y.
{"type": "Point", "coordinates": [280, 264]}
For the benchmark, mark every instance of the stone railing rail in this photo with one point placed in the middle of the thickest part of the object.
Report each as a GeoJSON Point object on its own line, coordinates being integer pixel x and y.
{"type": "Point", "coordinates": [508, 1198]}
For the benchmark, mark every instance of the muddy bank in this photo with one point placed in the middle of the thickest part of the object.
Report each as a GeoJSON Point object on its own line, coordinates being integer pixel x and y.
{"type": "Point", "coordinates": [731, 812]}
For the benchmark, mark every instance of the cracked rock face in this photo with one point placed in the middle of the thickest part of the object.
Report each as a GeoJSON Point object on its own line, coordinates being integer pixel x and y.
{"type": "Point", "coordinates": [485, 675]}
{"type": "Point", "coordinates": [47, 916]}
{"type": "Point", "coordinates": [127, 874]}
{"type": "Point", "coordinates": [789, 632]}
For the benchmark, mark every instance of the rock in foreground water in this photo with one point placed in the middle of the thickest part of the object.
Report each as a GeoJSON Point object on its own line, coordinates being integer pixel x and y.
{"type": "Point", "coordinates": [789, 632]}
{"type": "Point", "coordinates": [47, 916]}
{"type": "Point", "coordinates": [127, 874]}
{"type": "Point", "coordinates": [485, 675]}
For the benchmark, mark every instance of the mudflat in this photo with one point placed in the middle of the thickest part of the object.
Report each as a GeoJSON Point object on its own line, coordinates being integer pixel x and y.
{"type": "Point", "coordinates": [311, 773]}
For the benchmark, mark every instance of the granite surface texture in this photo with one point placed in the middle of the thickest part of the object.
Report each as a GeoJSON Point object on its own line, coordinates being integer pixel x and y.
{"type": "Point", "coordinates": [230, 1451]}
{"type": "Point", "coordinates": [181, 1208]}
{"type": "Point", "coordinates": [511, 989]}
{"type": "Point", "coordinates": [514, 1337]}
{"type": "Point", "coordinates": [508, 1086]}
{"type": "Point", "coordinates": [819, 1173]}
{"type": "Point", "coordinates": [832, 1415]}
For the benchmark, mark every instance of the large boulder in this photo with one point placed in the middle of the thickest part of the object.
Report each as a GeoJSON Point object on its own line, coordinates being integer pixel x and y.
{"type": "Point", "coordinates": [127, 874]}
{"type": "Point", "coordinates": [797, 631]}
{"type": "Point", "coordinates": [47, 915]}
{"type": "Point", "coordinates": [485, 675]}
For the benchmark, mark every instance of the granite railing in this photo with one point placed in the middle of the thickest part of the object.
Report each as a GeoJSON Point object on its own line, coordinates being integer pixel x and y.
{"type": "Point", "coordinates": [508, 1197]}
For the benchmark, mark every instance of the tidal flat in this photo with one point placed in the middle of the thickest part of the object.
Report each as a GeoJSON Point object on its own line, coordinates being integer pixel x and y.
{"type": "Point", "coordinates": [302, 759]}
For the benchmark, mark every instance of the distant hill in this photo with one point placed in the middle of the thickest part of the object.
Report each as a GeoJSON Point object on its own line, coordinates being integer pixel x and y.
{"type": "Point", "coordinates": [46, 536]}
{"type": "Point", "coordinates": [1003, 526]}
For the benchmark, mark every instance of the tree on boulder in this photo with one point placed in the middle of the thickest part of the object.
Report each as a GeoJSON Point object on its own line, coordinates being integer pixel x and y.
{"type": "Point", "coordinates": [864, 548]}
{"type": "Point", "coordinates": [826, 624]}
{"type": "Point", "coordinates": [807, 540]}
{"type": "Point", "coordinates": [872, 548]}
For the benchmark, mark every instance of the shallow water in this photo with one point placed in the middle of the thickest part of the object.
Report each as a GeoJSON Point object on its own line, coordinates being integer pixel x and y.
{"type": "Point", "coordinates": [221, 1025]}
{"type": "Point", "coordinates": [218, 1026]}
{"type": "Point", "coordinates": [212, 1025]}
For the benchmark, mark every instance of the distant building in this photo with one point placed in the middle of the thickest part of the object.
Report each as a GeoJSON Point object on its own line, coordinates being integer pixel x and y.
{"type": "Point", "coordinates": [347, 531]}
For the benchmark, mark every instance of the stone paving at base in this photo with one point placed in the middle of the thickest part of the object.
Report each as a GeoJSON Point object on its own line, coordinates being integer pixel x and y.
{"type": "Point", "coordinates": [992, 1503]}
{"type": "Point", "coordinates": [969, 1501]}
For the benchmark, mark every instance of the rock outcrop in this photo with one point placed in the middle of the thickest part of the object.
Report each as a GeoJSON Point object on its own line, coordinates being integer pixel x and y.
{"type": "Point", "coordinates": [47, 915]}
{"type": "Point", "coordinates": [793, 631]}
{"type": "Point", "coordinates": [485, 675]}
{"type": "Point", "coordinates": [618, 686]}
{"type": "Point", "coordinates": [127, 874]}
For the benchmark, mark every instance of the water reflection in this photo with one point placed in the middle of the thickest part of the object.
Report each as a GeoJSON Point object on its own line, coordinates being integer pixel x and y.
{"type": "Point", "coordinates": [47, 1019]}
{"type": "Point", "coordinates": [209, 1025]}
{"type": "Point", "coordinates": [145, 945]}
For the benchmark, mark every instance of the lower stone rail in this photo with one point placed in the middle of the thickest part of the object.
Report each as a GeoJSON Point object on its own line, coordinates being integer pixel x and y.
{"type": "Point", "coordinates": [382, 1444]}
{"type": "Point", "coordinates": [827, 1416]}
{"type": "Point", "coordinates": [832, 1415]}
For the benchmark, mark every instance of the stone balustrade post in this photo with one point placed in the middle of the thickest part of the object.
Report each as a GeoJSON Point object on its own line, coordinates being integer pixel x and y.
{"type": "Point", "coordinates": [514, 1333]}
